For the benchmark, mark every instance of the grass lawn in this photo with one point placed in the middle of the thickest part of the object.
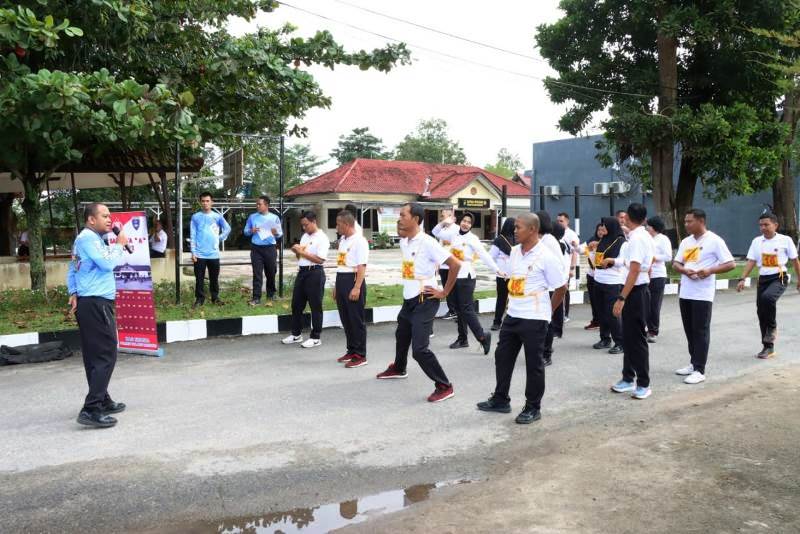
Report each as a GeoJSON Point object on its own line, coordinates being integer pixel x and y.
{"type": "Point", "coordinates": [25, 311]}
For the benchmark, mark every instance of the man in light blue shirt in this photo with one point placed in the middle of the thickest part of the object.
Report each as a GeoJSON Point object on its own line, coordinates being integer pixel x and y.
{"type": "Point", "coordinates": [91, 286]}
{"type": "Point", "coordinates": [207, 230]}
{"type": "Point", "coordinates": [264, 229]}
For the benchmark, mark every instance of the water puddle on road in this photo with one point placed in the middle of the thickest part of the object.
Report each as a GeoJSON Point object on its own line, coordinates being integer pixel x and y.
{"type": "Point", "coordinates": [329, 517]}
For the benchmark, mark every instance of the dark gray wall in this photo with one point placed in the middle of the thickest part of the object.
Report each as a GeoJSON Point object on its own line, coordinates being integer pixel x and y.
{"type": "Point", "coordinates": [571, 162]}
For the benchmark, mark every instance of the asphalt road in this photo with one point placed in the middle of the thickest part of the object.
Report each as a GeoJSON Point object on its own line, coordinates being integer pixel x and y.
{"type": "Point", "coordinates": [241, 427]}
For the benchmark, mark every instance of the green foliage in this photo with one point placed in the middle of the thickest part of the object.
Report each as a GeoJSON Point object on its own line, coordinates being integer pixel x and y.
{"type": "Point", "coordinates": [360, 143]}
{"type": "Point", "coordinates": [506, 165]}
{"type": "Point", "coordinates": [431, 143]}
{"type": "Point", "coordinates": [382, 240]}
{"type": "Point", "coordinates": [262, 158]}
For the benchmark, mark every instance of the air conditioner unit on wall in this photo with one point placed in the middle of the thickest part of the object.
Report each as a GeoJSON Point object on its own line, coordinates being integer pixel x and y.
{"type": "Point", "coordinates": [619, 187]}
{"type": "Point", "coordinates": [601, 188]}
{"type": "Point", "coordinates": [552, 190]}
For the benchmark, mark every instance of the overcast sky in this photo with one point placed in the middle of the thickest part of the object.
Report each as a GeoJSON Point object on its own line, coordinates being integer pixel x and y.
{"type": "Point", "coordinates": [486, 109]}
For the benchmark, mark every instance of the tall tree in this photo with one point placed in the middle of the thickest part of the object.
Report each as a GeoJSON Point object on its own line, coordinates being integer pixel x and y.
{"type": "Point", "coordinates": [360, 143]}
{"type": "Point", "coordinates": [431, 143]}
{"type": "Point", "coordinates": [672, 72]}
{"type": "Point", "coordinates": [178, 75]}
{"type": "Point", "coordinates": [507, 164]}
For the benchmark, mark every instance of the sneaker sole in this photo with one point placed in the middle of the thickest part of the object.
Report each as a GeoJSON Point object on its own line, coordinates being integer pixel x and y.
{"type": "Point", "coordinates": [693, 383]}
{"type": "Point", "coordinates": [641, 397]}
{"type": "Point", "coordinates": [631, 390]}
{"type": "Point", "coordinates": [361, 364]}
{"type": "Point", "coordinates": [291, 342]}
{"type": "Point", "coordinates": [311, 346]}
{"type": "Point", "coordinates": [92, 424]}
{"type": "Point", "coordinates": [767, 357]}
{"type": "Point", "coordinates": [495, 410]}
{"type": "Point", "coordinates": [394, 377]}
{"type": "Point", "coordinates": [451, 395]}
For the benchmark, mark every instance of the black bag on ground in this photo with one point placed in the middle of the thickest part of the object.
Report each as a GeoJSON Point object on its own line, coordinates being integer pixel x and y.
{"type": "Point", "coordinates": [36, 353]}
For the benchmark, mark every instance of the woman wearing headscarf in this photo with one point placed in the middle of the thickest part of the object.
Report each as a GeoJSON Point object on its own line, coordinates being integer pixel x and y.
{"type": "Point", "coordinates": [658, 275]}
{"type": "Point", "coordinates": [609, 276]}
{"type": "Point", "coordinates": [588, 249]}
{"type": "Point", "coordinates": [500, 252]}
{"type": "Point", "coordinates": [551, 235]}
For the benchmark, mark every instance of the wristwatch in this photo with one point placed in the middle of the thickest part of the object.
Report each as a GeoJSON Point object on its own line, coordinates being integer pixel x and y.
{"type": "Point", "coordinates": [620, 298]}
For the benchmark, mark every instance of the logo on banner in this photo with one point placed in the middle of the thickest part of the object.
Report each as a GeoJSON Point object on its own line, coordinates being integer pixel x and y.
{"type": "Point", "coordinates": [135, 223]}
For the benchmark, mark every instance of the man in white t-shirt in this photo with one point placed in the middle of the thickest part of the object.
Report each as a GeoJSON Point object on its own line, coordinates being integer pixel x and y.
{"type": "Point", "coordinates": [771, 251]}
{"type": "Point", "coordinates": [534, 269]}
{"type": "Point", "coordinates": [445, 232]}
{"type": "Point", "coordinates": [309, 286]}
{"type": "Point", "coordinates": [158, 241]}
{"type": "Point", "coordinates": [350, 292]}
{"type": "Point", "coordinates": [701, 256]}
{"type": "Point", "coordinates": [421, 296]}
{"type": "Point", "coordinates": [632, 305]}
{"type": "Point", "coordinates": [573, 243]}
{"type": "Point", "coordinates": [465, 247]}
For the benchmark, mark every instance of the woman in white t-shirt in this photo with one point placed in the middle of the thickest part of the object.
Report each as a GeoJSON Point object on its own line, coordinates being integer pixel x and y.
{"type": "Point", "coordinates": [609, 277]}
{"type": "Point", "coordinates": [658, 275]}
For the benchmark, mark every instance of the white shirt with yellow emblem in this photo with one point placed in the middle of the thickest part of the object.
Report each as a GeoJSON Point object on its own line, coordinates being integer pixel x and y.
{"type": "Point", "coordinates": [422, 255]}
{"type": "Point", "coordinates": [353, 251]}
{"type": "Point", "coordinates": [316, 244]}
{"type": "Point", "coordinates": [465, 248]}
{"type": "Point", "coordinates": [532, 273]}
{"type": "Point", "coordinates": [704, 253]}
{"type": "Point", "coordinates": [772, 255]}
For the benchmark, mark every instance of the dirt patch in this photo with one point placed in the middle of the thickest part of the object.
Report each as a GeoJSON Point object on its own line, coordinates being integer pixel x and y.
{"type": "Point", "coordinates": [713, 460]}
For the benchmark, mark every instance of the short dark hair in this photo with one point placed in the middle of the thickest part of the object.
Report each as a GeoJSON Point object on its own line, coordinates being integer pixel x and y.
{"type": "Point", "coordinates": [637, 212]}
{"type": "Point", "coordinates": [309, 215]}
{"type": "Point", "coordinates": [697, 213]}
{"type": "Point", "coordinates": [657, 224]}
{"type": "Point", "coordinates": [91, 210]}
{"type": "Point", "coordinates": [352, 209]}
{"type": "Point", "coordinates": [265, 198]}
{"type": "Point", "coordinates": [346, 217]}
{"type": "Point", "coordinates": [416, 210]}
{"type": "Point", "coordinates": [205, 194]}
{"type": "Point", "coordinates": [468, 214]}
{"type": "Point", "coordinates": [563, 214]}
{"type": "Point", "coordinates": [616, 214]}
{"type": "Point", "coordinates": [769, 215]}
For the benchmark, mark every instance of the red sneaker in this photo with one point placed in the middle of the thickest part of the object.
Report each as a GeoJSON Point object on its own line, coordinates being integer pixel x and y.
{"type": "Point", "coordinates": [357, 361]}
{"type": "Point", "coordinates": [346, 358]}
{"type": "Point", "coordinates": [391, 372]}
{"type": "Point", "coordinates": [441, 393]}
{"type": "Point", "coordinates": [591, 326]}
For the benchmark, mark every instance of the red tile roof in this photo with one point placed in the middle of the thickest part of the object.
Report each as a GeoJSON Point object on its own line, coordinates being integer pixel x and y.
{"type": "Point", "coordinates": [382, 176]}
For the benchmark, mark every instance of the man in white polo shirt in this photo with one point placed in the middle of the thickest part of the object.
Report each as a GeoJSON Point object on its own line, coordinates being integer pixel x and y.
{"type": "Point", "coordinates": [771, 251]}
{"type": "Point", "coordinates": [350, 292]}
{"type": "Point", "coordinates": [701, 256]}
{"type": "Point", "coordinates": [421, 297]}
{"type": "Point", "coordinates": [534, 269]}
{"type": "Point", "coordinates": [632, 305]}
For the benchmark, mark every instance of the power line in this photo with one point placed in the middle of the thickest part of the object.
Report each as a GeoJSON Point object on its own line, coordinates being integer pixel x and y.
{"type": "Point", "coordinates": [458, 58]}
{"type": "Point", "coordinates": [440, 32]}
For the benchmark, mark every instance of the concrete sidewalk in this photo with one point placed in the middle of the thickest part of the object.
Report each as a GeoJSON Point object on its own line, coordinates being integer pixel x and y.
{"type": "Point", "coordinates": [232, 427]}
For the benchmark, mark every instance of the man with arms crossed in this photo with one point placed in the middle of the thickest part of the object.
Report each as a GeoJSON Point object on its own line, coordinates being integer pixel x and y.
{"type": "Point", "coordinates": [632, 305]}
{"type": "Point", "coordinates": [534, 269]}
{"type": "Point", "coordinates": [350, 292]}
{"type": "Point", "coordinates": [771, 251]}
{"type": "Point", "coordinates": [700, 257]}
{"type": "Point", "coordinates": [421, 255]}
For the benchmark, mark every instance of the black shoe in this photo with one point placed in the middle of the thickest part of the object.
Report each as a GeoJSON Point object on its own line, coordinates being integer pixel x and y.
{"type": "Point", "coordinates": [486, 342]}
{"type": "Point", "coordinates": [493, 405]}
{"type": "Point", "coordinates": [459, 344]}
{"type": "Point", "coordinates": [495, 327]}
{"type": "Point", "coordinates": [548, 362]}
{"type": "Point", "coordinates": [528, 415]}
{"type": "Point", "coordinates": [255, 302]}
{"type": "Point", "coordinates": [766, 353]}
{"type": "Point", "coordinates": [96, 419]}
{"type": "Point", "coordinates": [217, 302]}
{"type": "Point", "coordinates": [450, 315]}
{"type": "Point", "coordinates": [652, 338]}
{"type": "Point", "coordinates": [602, 344]}
{"type": "Point", "coordinates": [197, 303]}
{"type": "Point", "coordinates": [616, 349]}
{"type": "Point", "coordinates": [113, 407]}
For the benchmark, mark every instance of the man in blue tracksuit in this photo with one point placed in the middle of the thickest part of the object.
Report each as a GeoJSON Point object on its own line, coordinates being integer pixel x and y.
{"type": "Point", "coordinates": [91, 286]}
{"type": "Point", "coordinates": [265, 229]}
{"type": "Point", "coordinates": [207, 230]}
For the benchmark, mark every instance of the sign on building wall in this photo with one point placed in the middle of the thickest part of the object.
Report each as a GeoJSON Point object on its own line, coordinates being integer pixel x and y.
{"type": "Point", "coordinates": [474, 203]}
{"type": "Point", "coordinates": [387, 220]}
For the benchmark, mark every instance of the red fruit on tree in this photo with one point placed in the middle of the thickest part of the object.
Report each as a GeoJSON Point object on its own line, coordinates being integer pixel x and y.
{"type": "Point", "coordinates": [20, 51]}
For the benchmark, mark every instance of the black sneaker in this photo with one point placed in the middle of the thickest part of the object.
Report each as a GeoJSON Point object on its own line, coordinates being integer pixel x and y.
{"type": "Point", "coordinates": [548, 361]}
{"type": "Point", "coordinates": [217, 302]}
{"type": "Point", "coordinates": [602, 344]}
{"type": "Point", "coordinates": [651, 338]}
{"type": "Point", "coordinates": [766, 353]}
{"type": "Point", "coordinates": [493, 405]}
{"type": "Point", "coordinates": [486, 342]}
{"type": "Point", "coordinates": [459, 344]}
{"type": "Point", "coordinates": [496, 327]}
{"type": "Point", "coordinates": [255, 302]}
{"type": "Point", "coordinates": [96, 419]}
{"type": "Point", "coordinates": [113, 407]}
{"type": "Point", "coordinates": [528, 415]}
{"type": "Point", "coordinates": [450, 315]}
{"type": "Point", "coordinates": [616, 349]}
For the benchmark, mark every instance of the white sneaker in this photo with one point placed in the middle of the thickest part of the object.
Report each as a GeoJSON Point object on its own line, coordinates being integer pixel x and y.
{"type": "Point", "coordinates": [685, 371]}
{"type": "Point", "coordinates": [695, 378]}
{"type": "Point", "coordinates": [288, 340]}
{"type": "Point", "coordinates": [311, 343]}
